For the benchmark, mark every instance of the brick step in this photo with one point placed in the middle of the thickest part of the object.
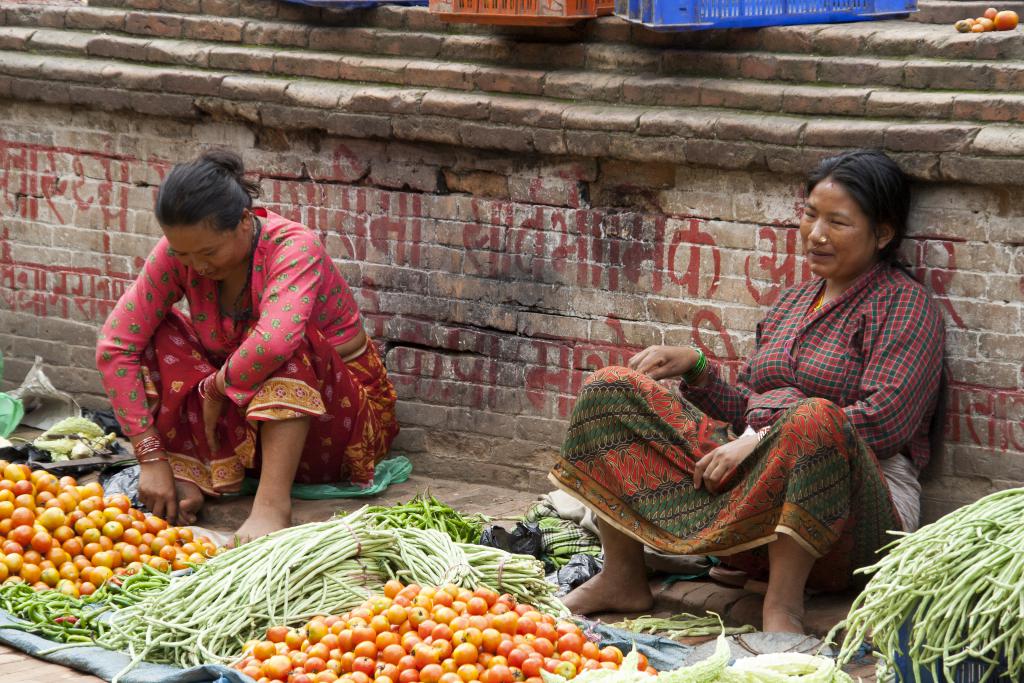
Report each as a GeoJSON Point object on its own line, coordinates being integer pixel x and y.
{"type": "Point", "coordinates": [467, 52]}
{"type": "Point", "coordinates": [463, 53]}
{"type": "Point", "coordinates": [929, 11]}
{"type": "Point", "coordinates": [880, 39]}
{"type": "Point", "coordinates": [951, 11]}
{"type": "Point", "coordinates": [714, 136]}
{"type": "Point", "coordinates": [638, 90]}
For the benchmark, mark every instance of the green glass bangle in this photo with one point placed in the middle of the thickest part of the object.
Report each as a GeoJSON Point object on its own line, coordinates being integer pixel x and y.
{"type": "Point", "coordinates": [693, 375]}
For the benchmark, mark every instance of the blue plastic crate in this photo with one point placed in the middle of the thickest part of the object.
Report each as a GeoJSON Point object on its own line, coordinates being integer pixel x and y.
{"type": "Point", "coordinates": [970, 671]}
{"type": "Point", "coordinates": [702, 14]}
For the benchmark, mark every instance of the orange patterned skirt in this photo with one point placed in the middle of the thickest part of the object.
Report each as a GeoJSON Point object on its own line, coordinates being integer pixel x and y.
{"type": "Point", "coordinates": [351, 406]}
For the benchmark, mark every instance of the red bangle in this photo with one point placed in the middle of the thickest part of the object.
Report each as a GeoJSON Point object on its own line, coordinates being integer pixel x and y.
{"type": "Point", "coordinates": [208, 390]}
{"type": "Point", "coordinates": [151, 444]}
{"type": "Point", "coordinates": [155, 458]}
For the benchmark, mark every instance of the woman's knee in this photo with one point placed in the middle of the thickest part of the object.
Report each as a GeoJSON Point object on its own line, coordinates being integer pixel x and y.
{"type": "Point", "coordinates": [818, 418]}
{"type": "Point", "coordinates": [611, 375]}
{"type": "Point", "coordinates": [820, 409]}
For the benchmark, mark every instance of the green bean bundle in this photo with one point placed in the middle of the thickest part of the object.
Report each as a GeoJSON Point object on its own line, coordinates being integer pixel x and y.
{"type": "Point", "coordinates": [682, 626]}
{"type": "Point", "coordinates": [427, 512]}
{"type": "Point", "coordinates": [284, 578]}
{"type": "Point", "coordinates": [68, 619]}
{"type": "Point", "coordinates": [431, 558]}
{"type": "Point", "coordinates": [959, 582]}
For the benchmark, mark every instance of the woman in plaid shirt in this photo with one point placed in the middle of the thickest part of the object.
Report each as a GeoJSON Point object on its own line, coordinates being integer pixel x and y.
{"type": "Point", "coordinates": [798, 467]}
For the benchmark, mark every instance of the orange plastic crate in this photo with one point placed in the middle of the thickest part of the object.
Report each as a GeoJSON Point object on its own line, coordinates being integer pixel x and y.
{"type": "Point", "coordinates": [520, 12]}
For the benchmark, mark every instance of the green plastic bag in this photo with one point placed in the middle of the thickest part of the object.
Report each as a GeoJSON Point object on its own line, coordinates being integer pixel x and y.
{"type": "Point", "coordinates": [11, 409]}
{"type": "Point", "coordinates": [391, 471]}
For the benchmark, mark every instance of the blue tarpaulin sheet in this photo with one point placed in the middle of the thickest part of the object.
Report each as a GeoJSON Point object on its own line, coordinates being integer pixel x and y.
{"type": "Point", "coordinates": [106, 664]}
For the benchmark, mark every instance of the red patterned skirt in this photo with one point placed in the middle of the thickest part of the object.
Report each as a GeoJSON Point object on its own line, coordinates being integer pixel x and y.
{"type": "Point", "coordinates": [351, 407]}
{"type": "Point", "coordinates": [629, 455]}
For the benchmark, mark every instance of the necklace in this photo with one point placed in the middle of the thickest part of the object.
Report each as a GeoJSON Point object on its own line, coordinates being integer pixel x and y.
{"type": "Point", "coordinates": [239, 314]}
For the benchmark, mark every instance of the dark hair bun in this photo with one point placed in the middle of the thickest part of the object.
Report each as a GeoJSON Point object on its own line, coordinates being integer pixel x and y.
{"type": "Point", "coordinates": [233, 166]}
{"type": "Point", "coordinates": [212, 191]}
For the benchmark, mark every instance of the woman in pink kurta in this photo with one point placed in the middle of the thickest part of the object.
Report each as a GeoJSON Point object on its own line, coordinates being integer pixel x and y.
{"type": "Point", "coordinates": [270, 370]}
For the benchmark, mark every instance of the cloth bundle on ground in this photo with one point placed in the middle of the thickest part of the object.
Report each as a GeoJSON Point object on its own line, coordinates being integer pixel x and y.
{"type": "Point", "coordinates": [106, 664]}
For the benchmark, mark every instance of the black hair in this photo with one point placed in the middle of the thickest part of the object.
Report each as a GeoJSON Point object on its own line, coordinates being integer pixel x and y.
{"type": "Point", "coordinates": [876, 183]}
{"type": "Point", "coordinates": [212, 190]}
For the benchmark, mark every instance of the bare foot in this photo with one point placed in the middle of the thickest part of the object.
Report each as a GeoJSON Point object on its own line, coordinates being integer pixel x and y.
{"type": "Point", "coordinates": [190, 500]}
{"type": "Point", "coordinates": [263, 520]}
{"type": "Point", "coordinates": [782, 620]}
{"type": "Point", "coordinates": [603, 593]}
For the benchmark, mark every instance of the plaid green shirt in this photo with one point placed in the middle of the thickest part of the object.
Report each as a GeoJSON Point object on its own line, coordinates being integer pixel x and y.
{"type": "Point", "coordinates": [876, 351]}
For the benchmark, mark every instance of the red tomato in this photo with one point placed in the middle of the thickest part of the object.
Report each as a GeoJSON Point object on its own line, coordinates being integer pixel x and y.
{"type": "Point", "coordinates": [431, 673]}
{"type": "Point", "coordinates": [476, 606]}
{"type": "Point", "coordinates": [441, 632]}
{"type": "Point", "coordinates": [499, 673]}
{"type": "Point", "coordinates": [544, 647]}
{"type": "Point", "coordinates": [367, 648]}
{"type": "Point", "coordinates": [571, 657]}
{"type": "Point", "coordinates": [294, 639]}
{"type": "Point", "coordinates": [319, 650]}
{"type": "Point", "coordinates": [443, 648]}
{"type": "Point", "coordinates": [417, 615]}
{"type": "Point", "coordinates": [570, 642]}
{"type": "Point", "coordinates": [365, 665]}
{"type": "Point", "coordinates": [466, 653]}
{"type": "Point", "coordinates": [532, 666]}
{"type": "Point", "coordinates": [507, 622]}
{"type": "Point", "coordinates": [409, 676]}
{"type": "Point", "coordinates": [546, 630]}
{"type": "Point", "coordinates": [612, 654]}
{"type": "Point", "coordinates": [392, 654]}
{"type": "Point", "coordinates": [316, 630]}
{"type": "Point", "coordinates": [490, 639]}
{"type": "Point", "coordinates": [362, 634]}
{"type": "Point", "coordinates": [468, 672]}
{"type": "Point", "coordinates": [425, 628]}
{"type": "Point", "coordinates": [516, 657]}
{"type": "Point", "coordinates": [277, 668]}
{"type": "Point", "coordinates": [264, 650]}
{"type": "Point", "coordinates": [425, 655]}
{"type": "Point", "coordinates": [526, 626]}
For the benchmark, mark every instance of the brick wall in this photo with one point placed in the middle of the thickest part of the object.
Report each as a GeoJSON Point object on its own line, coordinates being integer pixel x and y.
{"type": "Point", "coordinates": [497, 282]}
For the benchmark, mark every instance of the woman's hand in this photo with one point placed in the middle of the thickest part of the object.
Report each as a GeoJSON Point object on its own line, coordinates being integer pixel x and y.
{"type": "Point", "coordinates": [716, 467]}
{"type": "Point", "coordinates": [659, 362]}
{"type": "Point", "coordinates": [212, 409]}
{"type": "Point", "coordinates": [213, 399]}
{"type": "Point", "coordinates": [156, 489]}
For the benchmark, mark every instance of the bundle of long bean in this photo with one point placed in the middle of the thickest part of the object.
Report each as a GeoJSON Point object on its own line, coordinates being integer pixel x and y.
{"type": "Point", "coordinates": [431, 558]}
{"type": "Point", "coordinates": [69, 619]}
{"type": "Point", "coordinates": [427, 512]}
{"type": "Point", "coordinates": [959, 582]}
{"type": "Point", "coordinates": [682, 626]}
{"type": "Point", "coordinates": [284, 578]}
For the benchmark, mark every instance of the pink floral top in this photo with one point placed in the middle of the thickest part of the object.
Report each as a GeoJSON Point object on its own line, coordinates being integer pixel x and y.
{"type": "Point", "coordinates": [294, 284]}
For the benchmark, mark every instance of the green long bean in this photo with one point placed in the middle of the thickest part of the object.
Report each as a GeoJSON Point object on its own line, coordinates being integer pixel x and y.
{"type": "Point", "coordinates": [956, 586]}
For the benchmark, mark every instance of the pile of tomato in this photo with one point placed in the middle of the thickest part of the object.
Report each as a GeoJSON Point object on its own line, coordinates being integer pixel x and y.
{"type": "Point", "coordinates": [57, 534]}
{"type": "Point", "coordinates": [416, 634]}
